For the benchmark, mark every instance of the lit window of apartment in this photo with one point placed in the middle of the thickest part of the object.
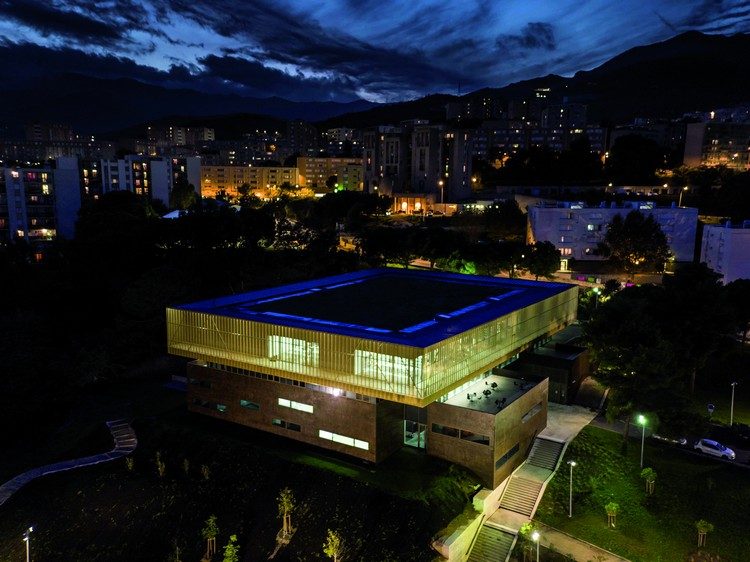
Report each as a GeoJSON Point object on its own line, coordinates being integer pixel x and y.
{"type": "Point", "coordinates": [344, 440]}
{"type": "Point", "coordinates": [566, 251]}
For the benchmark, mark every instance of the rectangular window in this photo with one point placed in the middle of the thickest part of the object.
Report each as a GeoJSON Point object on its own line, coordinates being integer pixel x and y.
{"type": "Point", "coordinates": [297, 353]}
{"type": "Point", "coordinates": [531, 413]}
{"type": "Point", "coordinates": [296, 405]}
{"type": "Point", "coordinates": [249, 405]}
{"type": "Point", "coordinates": [390, 369]}
{"type": "Point", "coordinates": [286, 425]}
{"type": "Point", "coordinates": [221, 407]}
{"type": "Point", "coordinates": [344, 440]}
{"type": "Point", "coordinates": [566, 251]}
{"type": "Point", "coordinates": [507, 456]}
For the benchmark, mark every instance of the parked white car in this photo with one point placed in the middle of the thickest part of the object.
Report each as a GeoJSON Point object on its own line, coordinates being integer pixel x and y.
{"type": "Point", "coordinates": [713, 448]}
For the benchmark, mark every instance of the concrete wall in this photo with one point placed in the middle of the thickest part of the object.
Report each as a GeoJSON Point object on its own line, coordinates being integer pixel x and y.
{"type": "Point", "coordinates": [511, 429]}
{"type": "Point", "coordinates": [506, 428]}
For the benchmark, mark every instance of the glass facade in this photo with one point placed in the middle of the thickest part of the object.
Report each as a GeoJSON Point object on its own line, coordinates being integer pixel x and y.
{"type": "Point", "coordinates": [396, 372]}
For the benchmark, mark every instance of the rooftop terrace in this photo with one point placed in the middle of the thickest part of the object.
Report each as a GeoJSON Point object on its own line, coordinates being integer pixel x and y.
{"type": "Point", "coordinates": [505, 391]}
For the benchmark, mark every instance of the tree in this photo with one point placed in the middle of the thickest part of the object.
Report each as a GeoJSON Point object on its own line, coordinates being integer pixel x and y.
{"type": "Point", "coordinates": [232, 550]}
{"type": "Point", "coordinates": [636, 243]}
{"type": "Point", "coordinates": [286, 505]}
{"type": "Point", "coordinates": [209, 532]}
{"type": "Point", "coordinates": [631, 354]}
{"type": "Point", "coordinates": [704, 527]}
{"type": "Point", "coordinates": [633, 160]}
{"type": "Point", "coordinates": [183, 196]}
{"type": "Point", "coordinates": [738, 298]}
{"type": "Point", "coordinates": [542, 259]}
{"type": "Point", "coordinates": [526, 532]}
{"type": "Point", "coordinates": [612, 509]}
{"type": "Point", "coordinates": [649, 475]}
{"type": "Point", "coordinates": [333, 547]}
{"type": "Point", "coordinates": [331, 182]}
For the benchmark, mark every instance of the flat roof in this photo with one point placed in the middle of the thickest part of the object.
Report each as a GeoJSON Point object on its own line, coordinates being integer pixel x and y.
{"type": "Point", "coordinates": [505, 391]}
{"type": "Point", "coordinates": [402, 306]}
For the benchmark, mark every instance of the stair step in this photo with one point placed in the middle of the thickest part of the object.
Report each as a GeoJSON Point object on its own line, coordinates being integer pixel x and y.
{"type": "Point", "coordinates": [492, 545]}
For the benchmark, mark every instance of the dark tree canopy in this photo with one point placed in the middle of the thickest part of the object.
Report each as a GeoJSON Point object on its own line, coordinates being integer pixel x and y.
{"type": "Point", "coordinates": [543, 259]}
{"type": "Point", "coordinates": [634, 159]}
{"type": "Point", "coordinates": [636, 243]}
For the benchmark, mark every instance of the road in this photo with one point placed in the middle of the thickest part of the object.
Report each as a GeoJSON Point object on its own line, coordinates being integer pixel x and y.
{"type": "Point", "coordinates": [618, 426]}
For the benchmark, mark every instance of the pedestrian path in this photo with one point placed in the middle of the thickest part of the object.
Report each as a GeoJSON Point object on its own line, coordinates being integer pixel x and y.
{"type": "Point", "coordinates": [125, 443]}
{"type": "Point", "coordinates": [571, 546]}
{"type": "Point", "coordinates": [492, 544]}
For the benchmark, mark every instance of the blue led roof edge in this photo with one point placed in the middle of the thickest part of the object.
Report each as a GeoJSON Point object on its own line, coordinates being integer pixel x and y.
{"type": "Point", "coordinates": [520, 293]}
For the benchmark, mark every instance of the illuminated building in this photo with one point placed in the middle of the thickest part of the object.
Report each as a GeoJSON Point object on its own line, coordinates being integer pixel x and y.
{"type": "Point", "coordinates": [577, 229]}
{"type": "Point", "coordinates": [718, 144]}
{"type": "Point", "coordinates": [215, 179]}
{"type": "Point", "coordinates": [368, 362]}
{"type": "Point", "coordinates": [726, 249]}
{"type": "Point", "coordinates": [315, 171]}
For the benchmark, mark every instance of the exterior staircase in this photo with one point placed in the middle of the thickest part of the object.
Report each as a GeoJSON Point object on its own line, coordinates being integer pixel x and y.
{"type": "Point", "coordinates": [545, 453]}
{"type": "Point", "coordinates": [521, 495]}
{"type": "Point", "coordinates": [492, 545]}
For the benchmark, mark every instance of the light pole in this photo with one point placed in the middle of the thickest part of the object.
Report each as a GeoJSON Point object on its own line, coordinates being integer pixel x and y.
{"type": "Point", "coordinates": [570, 509]}
{"type": "Point", "coordinates": [27, 540]}
{"type": "Point", "coordinates": [731, 406]}
{"type": "Point", "coordinates": [535, 538]}
{"type": "Point", "coordinates": [642, 421]}
{"type": "Point", "coordinates": [442, 199]}
{"type": "Point", "coordinates": [596, 290]}
{"type": "Point", "coordinates": [683, 190]}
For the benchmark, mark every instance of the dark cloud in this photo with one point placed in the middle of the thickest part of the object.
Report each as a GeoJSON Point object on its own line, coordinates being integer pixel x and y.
{"type": "Point", "coordinates": [534, 35]}
{"type": "Point", "coordinates": [48, 20]}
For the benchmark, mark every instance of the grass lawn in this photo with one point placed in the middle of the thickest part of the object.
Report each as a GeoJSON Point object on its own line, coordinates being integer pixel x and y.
{"type": "Point", "coordinates": [108, 513]}
{"type": "Point", "coordinates": [659, 528]}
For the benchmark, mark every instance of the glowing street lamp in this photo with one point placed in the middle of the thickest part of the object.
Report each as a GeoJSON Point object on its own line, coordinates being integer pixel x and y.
{"type": "Point", "coordinates": [731, 407]}
{"type": "Point", "coordinates": [535, 538]}
{"type": "Point", "coordinates": [441, 183]}
{"type": "Point", "coordinates": [27, 540]}
{"type": "Point", "coordinates": [642, 422]}
{"type": "Point", "coordinates": [570, 509]}
{"type": "Point", "coordinates": [683, 190]}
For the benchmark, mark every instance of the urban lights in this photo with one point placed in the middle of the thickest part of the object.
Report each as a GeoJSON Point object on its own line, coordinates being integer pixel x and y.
{"type": "Point", "coordinates": [27, 540]}
{"type": "Point", "coordinates": [535, 538]}
{"type": "Point", "coordinates": [570, 509]}
{"type": "Point", "coordinates": [441, 183]}
{"type": "Point", "coordinates": [642, 422]}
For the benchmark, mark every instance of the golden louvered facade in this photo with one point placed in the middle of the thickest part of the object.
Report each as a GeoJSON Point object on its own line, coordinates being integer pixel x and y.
{"type": "Point", "coordinates": [394, 372]}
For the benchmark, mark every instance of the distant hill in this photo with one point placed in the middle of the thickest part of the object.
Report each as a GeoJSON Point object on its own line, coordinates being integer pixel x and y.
{"type": "Point", "coordinates": [691, 71]}
{"type": "Point", "coordinates": [77, 100]}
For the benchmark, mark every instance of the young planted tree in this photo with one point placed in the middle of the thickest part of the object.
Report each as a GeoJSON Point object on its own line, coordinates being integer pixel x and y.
{"type": "Point", "coordinates": [527, 545]}
{"type": "Point", "coordinates": [161, 466]}
{"type": "Point", "coordinates": [333, 547]}
{"type": "Point", "coordinates": [286, 506]}
{"type": "Point", "coordinates": [612, 508]}
{"type": "Point", "coordinates": [209, 533]}
{"type": "Point", "coordinates": [704, 527]}
{"type": "Point", "coordinates": [649, 475]}
{"type": "Point", "coordinates": [232, 550]}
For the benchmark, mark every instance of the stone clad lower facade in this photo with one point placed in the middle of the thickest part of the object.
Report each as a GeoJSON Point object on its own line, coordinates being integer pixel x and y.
{"type": "Point", "coordinates": [328, 363]}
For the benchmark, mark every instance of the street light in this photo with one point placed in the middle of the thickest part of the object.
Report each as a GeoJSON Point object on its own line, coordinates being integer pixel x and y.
{"type": "Point", "coordinates": [570, 510]}
{"type": "Point", "coordinates": [441, 183]}
{"type": "Point", "coordinates": [596, 291]}
{"type": "Point", "coordinates": [683, 190]}
{"type": "Point", "coordinates": [731, 406]}
{"type": "Point", "coordinates": [642, 421]}
{"type": "Point", "coordinates": [535, 538]}
{"type": "Point", "coordinates": [27, 540]}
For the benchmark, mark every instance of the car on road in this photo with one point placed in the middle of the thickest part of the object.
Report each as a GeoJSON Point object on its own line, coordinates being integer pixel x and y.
{"type": "Point", "coordinates": [714, 448]}
{"type": "Point", "coordinates": [672, 440]}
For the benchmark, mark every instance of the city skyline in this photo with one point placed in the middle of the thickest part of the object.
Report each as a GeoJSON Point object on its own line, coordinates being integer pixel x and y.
{"type": "Point", "coordinates": [342, 50]}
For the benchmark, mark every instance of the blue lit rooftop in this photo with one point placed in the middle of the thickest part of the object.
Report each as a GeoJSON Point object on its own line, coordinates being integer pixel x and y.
{"type": "Point", "coordinates": [401, 306]}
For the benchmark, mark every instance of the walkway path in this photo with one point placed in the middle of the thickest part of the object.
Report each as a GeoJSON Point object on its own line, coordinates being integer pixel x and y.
{"type": "Point", "coordinates": [571, 546]}
{"type": "Point", "coordinates": [125, 443]}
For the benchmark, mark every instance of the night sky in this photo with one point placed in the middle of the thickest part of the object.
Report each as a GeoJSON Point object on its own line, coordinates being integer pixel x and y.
{"type": "Point", "coordinates": [379, 50]}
